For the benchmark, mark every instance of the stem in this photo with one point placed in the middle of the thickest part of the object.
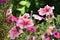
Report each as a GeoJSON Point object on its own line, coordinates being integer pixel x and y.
{"type": "Point", "coordinates": [53, 23]}
{"type": "Point", "coordinates": [31, 15]}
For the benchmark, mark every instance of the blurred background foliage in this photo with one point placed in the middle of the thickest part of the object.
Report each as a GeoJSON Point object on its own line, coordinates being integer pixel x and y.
{"type": "Point", "coordinates": [23, 6]}
{"type": "Point", "coordinates": [19, 7]}
{"type": "Point", "coordinates": [34, 5]}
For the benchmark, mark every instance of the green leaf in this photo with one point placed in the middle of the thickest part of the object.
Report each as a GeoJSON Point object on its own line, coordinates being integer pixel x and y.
{"type": "Point", "coordinates": [28, 4]}
{"type": "Point", "coordinates": [11, 6]}
{"type": "Point", "coordinates": [25, 3]}
{"type": "Point", "coordinates": [42, 24]}
{"type": "Point", "coordinates": [22, 10]}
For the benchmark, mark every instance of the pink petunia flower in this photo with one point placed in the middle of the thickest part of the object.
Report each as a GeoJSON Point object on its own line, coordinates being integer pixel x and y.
{"type": "Point", "coordinates": [48, 38]}
{"type": "Point", "coordinates": [45, 37]}
{"type": "Point", "coordinates": [31, 29]}
{"type": "Point", "coordinates": [9, 17]}
{"type": "Point", "coordinates": [38, 17]}
{"type": "Point", "coordinates": [51, 30]}
{"type": "Point", "coordinates": [26, 15]}
{"type": "Point", "coordinates": [12, 18]}
{"type": "Point", "coordinates": [3, 1]}
{"type": "Point", "coordinates": [15, 32]}
{"type": "Point", "coordinates": [51, 15]}
{"type": "Point", "coordinates": [8, 12]}
{"type": "Point", "coordinates": [34, 38]}
{"type": "Point", "coordinates": [31, 37]}
{"type": "Point", "coordinates": [57, 35]}
{"type": "Point", "coordinates": [46, 10]}
{"type": "Point", "coordinates": [8, 22]}
{"type": "Point", "coordinates": [24, 23]}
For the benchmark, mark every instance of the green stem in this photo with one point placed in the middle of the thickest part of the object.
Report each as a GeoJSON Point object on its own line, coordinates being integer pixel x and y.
{"type": "Point", "coordinates": [31, 15]}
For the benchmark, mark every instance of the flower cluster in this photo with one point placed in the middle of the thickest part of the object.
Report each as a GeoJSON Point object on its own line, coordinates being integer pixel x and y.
{"type": "Point", "coordinates": [22, 22]}
{"type": "Point", "coordinates": [47, 11]}
{"type": "Point", "coordinates": [25, 22]}
{"type": "Point", "coordinates": [51, 33]}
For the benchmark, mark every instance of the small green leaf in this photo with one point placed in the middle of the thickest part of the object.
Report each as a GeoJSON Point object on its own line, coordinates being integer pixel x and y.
{"type": "Point", "coordinates": [28, 4]}
{"type": "Point", "coordinates": [22, 10]}
{"type": "Point", "coordinates": [11, 6]}
{"type": "Point", "coordinates": [42, 24]}
{"type": "Point", "coordinates": [25, 3]}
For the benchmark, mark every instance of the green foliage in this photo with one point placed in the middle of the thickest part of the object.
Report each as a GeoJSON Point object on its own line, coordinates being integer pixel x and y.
{"type": "Point", "coordinates": [58, 20]}
{"type": "Point", "coordinates": [25, 3]}
{"type": "Point", "coordinates": [22, 10]}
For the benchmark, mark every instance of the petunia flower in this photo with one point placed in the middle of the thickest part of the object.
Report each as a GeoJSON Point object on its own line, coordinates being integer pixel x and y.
{"type": "Point", "coordinates": [8, 12]}
{"type": "Point", "coordinates": [9, 17]}
{"type": "Point", "coordinates": [46, 10]}
{"type": "Point", "coordinates": [51, 15]}
{"type": "Point", "coordinates": [12, 18]}
{"type": "Point", "coordinates": [3, 1]}
{"type": "Point", "coordinates": [26, 15]}
{"type": "Point", "coordinates": [24, 23]}
{"type": "Point", "coordinates": [15, 32]}
{"type": "Point", "coordinates": [48, 38]}
{"type": "Point", "coordinates": [42, 11]}
{"type": "Point", "coordinates": [45, 37]}
{"type": "Point", "coordinates": [31, 37]}
{"type": "Point", "coordinates": [34, 38]}
{"type": "Point", "coordinates": [57, 35]}
{"type": "Point", "coordinates": [38, 17]}
{"type": "Point", "coordinates": [31, 29]}
{"type": "Point", "coordinates": [51, 30]}
{"type": "Point", "coordinates": [8, 22]}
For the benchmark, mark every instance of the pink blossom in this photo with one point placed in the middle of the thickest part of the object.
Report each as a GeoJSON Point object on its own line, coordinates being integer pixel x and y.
{"type": "Point", "coordinates": [31, 29]}
{"type": "Point", "coordinates": [12, 18]}
{"type": "Point", "coordinates": [51, 15]}
{"type": "Point", "coordinates": [34, 38]}
{"type": "Point", "coordinates": [8, 22]}
{"type": "Point", "coordinates": [46, 10]}
{"type": "Point", "coordinates": [8, 12]}
{"type": "Point", "coordinates": [3, 1]}
{"type": "Point", "coordinates": [15, 32]}
{"type": "Point", "coordinates": [9, 17]}
{"type": "Point", "coordinates": [51, 30]}
{"type": "Point", "coordinates": [45, 37]}
{"type": "Point", "coordinates": [57, 35]}
{"type": "Point", "coordinates": [48, 38]}
{"type": "Point", "coordinates": [38, 17]}
{"type": "Point", "coordinates": [31, 37]}
{"type": "Point", "coordinates": [24, 23]}
{"type": "Point", "coordinates": [26, 15]}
